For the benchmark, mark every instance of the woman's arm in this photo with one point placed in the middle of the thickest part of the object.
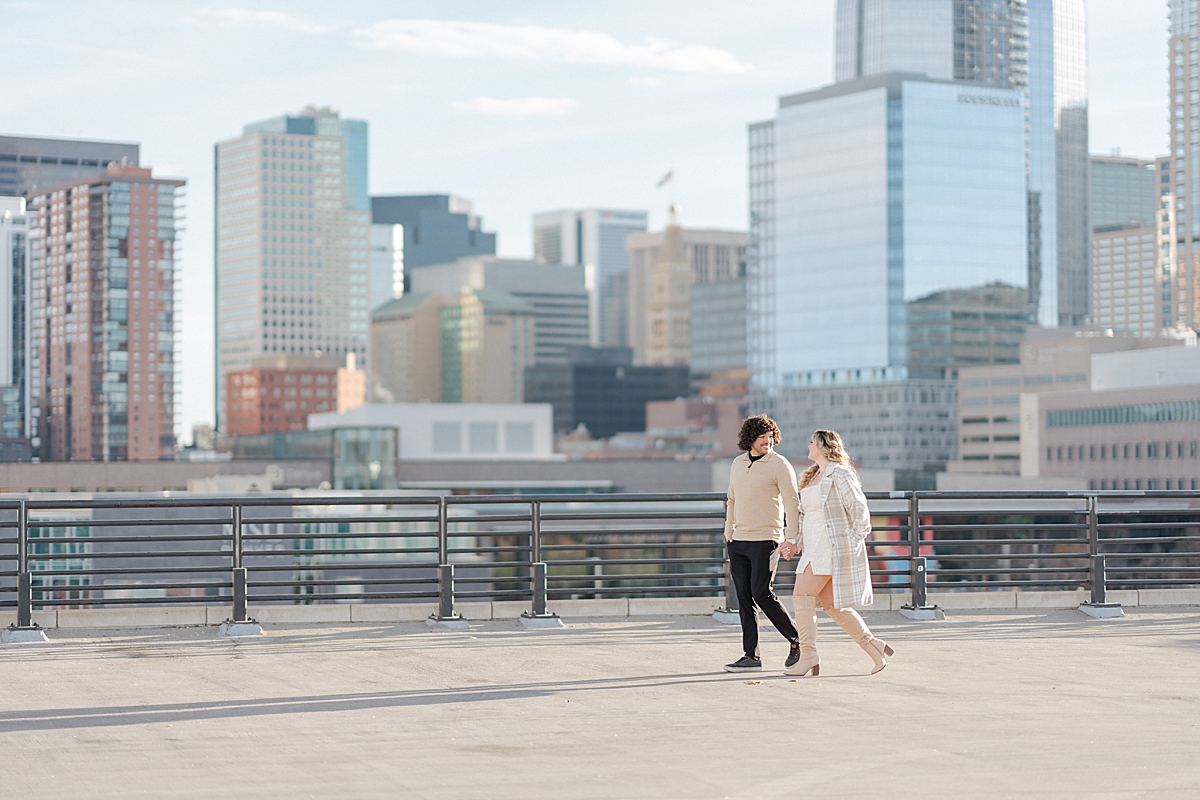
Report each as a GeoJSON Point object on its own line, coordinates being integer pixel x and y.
{"type": "Point", "coordinates": [854, 501]}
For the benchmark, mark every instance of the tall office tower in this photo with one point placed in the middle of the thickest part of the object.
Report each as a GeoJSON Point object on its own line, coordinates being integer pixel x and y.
{"type": "Point", "coordinates": [1036, 46]}
{"type": "Point", "coordinates": [30, 163]}
{"type": "Point", "coordinates": [1127, 245]}
{"type": "Point", "coordinates": [417, 231]}
{"type": "Point", "coordinates": [557, 294]}
{"type": "Point", "coordinates": [663, 268]}
{"type": "Point", "coordinates": [14, 329]}
{"type": "Point", "coordinates": [1122, 191]}
{"type": "Point", "coordinates": [102, 290]}
{"type": "Point", "coordinates": [292, 241]}
{"type": "Point", "coordinates": [594, 237]}
{"type": "Point", "coordinates": [865, 195]}
{"type": "Point", "coordinates": [1180, 171]}
{"type": "Point", "coordinates": [972, 327]}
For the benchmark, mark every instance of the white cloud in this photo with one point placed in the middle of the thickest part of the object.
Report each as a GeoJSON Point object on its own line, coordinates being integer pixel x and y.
{"type": "Point", "coordinates": [519, 107]}
{"type": "Point", "coordinates": [533, 43]}
{"type": "Point", "coordinates": [653, 83]}
{"type": "Point", "coordinates": [244, 17]}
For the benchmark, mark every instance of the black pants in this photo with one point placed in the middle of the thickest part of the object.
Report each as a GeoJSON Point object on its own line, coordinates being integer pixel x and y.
{"type": "Point", "coordinates": [752, 565]}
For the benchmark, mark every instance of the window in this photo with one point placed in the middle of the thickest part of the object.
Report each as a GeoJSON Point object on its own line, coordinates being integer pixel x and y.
{"type": "Point", "coordinates": [447, 437]}
{"type": "Point", "coordinates": [1060, 454]}
{"type": "Point", "coordinates": [518, 437]}
{"type": "Point", "coordinates": [1091, 452]}
{"type": "Point", "coordinates": [1049, 453]}
{"type": "Point", "coordinates": [483, 437]}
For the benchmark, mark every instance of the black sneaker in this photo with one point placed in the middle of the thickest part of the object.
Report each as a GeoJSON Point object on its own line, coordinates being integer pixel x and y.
{"type": "Point", "coordinates": [745, 664]}
{"type": "Point", "coordinates": [793, 655]}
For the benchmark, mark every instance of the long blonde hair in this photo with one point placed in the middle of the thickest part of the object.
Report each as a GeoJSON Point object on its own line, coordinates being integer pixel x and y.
{"type": "Point", "coordinates": [832, 448]}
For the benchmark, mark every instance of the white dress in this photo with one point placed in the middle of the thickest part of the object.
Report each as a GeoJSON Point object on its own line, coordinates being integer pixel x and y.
{"type": "Point", "coordinates": [817, 551]}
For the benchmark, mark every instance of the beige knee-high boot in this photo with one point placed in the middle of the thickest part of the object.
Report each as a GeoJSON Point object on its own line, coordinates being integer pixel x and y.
{"type": "Point", "coordinates": [849, 621]}
{"type": "Point", "coordinates": [806, 627]}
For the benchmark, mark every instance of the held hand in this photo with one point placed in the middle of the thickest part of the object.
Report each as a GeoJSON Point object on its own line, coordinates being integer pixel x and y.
{"type": "Point", "coordinates": [787, 550]}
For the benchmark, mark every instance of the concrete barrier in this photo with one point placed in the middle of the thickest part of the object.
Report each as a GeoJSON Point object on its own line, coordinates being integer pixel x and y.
{"type": "Point", "coordinates": [171, 617]}
{"type": "Point", "coordinates": [1169, 597]}
{"type": "Point", "coordinates": [393, 613]}
{"type": "Point", "coordinates": [672, 606]}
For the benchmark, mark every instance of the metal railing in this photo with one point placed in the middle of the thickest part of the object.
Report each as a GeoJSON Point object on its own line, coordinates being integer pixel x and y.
{"type": "Point", "coordinates": [250, 550]}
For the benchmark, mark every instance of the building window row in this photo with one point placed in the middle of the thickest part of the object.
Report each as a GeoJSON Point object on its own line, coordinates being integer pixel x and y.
{"type": "Point", "coordinates": [1150, 484]}
{"type": "Point", "coordinates": [1122, 452]}
{"type": "Point", "coordinates": [1184, 411]}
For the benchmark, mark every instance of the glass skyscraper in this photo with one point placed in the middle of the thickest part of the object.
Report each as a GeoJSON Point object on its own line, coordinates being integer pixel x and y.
{"type": "Point", "coordinates": [595, 238]}
{"type": "Point", "coordinates": [292, 240]}
{"type": "Point", "coordinates": [1036, 46]}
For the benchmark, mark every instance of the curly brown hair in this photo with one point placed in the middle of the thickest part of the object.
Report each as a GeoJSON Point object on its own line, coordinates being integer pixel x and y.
{"type": "Point", "coordinates": [754, 427]}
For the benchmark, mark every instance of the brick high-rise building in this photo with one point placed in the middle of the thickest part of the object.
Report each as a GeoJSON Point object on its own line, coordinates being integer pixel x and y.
{"type": "Point", "coordinates": [102, 354]}
{"type": "Point", "coordinates": [278, 392]}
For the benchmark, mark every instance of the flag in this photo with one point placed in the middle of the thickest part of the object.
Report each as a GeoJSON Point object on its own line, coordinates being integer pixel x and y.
{"type": "Point", "coordinates": [665, 178]}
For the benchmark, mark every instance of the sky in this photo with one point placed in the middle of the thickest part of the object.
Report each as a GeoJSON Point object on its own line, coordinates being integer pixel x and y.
{"type": "Point", "coordinates": [518, 106]}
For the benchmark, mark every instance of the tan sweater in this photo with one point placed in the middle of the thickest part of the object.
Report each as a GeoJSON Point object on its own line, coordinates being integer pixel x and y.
{"type": "Point", "coordinates": [762, 496]}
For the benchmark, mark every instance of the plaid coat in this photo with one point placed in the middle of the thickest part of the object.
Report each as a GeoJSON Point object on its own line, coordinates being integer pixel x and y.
{"type": "Point", "coordinates": [848, 523]}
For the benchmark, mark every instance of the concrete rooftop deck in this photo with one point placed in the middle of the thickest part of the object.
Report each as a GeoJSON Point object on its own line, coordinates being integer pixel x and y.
{"type": "Point", "coordinates": [1043, 704]}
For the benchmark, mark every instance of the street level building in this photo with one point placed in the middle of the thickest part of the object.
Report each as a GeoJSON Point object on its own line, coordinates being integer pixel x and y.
{"type": "Point", "coordinates": [103, 261]}
{"type": "Point", "coordinates": [1052, 360]}
{"type": "Point", "coordinates": [557, 294]}
{"type": "Point", "coordinates": [595, 238]}
{"type": "Point", "coordinates": [602, 390]}
{"type": "Point", "coordinates": [417, 231]}
{"type": "Point", "coordinates": [456, 431]}
{"type": "Point", "coordinates": [906, 426]}
{"type": "Point", "coordinates": [29, 164]}
{"type": "Point", "coordinates": [1143, 438]}
{"type": "Point", "coordinates": [292, 241]}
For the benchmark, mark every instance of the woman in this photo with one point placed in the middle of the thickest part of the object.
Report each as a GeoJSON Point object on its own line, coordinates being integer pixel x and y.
{"type": "Point", "coordinates": [833, 568]}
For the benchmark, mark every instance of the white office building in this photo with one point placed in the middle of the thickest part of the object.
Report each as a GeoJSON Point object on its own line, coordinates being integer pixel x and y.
{"type": "Point", "coordinates": [456, 431]}
{"type": "Point", "coordinates": [595, 238]}
{"type": "Point", "coordinates": [292, 241]}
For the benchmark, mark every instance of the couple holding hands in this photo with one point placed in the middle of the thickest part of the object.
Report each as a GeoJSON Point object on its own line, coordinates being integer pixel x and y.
{"type": "Point", "coordinates": [826, 521]}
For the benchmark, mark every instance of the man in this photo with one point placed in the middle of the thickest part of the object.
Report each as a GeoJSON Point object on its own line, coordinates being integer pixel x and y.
{"type": "Point", "coordinates": [762, 499]}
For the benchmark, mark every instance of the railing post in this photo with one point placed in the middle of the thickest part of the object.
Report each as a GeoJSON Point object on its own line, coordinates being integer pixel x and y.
{"type": "Point", "coordinates": [1098, 605]}
{"type": "Point", "coordinates": [918, 607]}
{"type": "Point", "coordinates": [538, 616]}
{"type": "Point", "coordinates": [240, 623]}
{"type": "Point", "coordinates": [445, 616]}
{"type": "Point", "coordinates": [25, 630]}
{"type": "Point", "coordinates": [728, 613]}
{"type": "Point", "coordinates": [24, 581]}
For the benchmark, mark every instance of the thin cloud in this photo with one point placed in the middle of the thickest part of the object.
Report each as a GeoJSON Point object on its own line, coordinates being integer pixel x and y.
{"type": "Point", "coordinates": [653, 83]}
{"type": "Point", "coordinates": [533, 43]}
{"type": "Point", "coordinates": [244, 18]}
{"type": "Point", "coordinates": [519, 107]}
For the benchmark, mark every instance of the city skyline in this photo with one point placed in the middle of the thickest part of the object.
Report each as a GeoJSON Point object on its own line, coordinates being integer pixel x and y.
{"type": "Point", "coordinates": [602, 108]}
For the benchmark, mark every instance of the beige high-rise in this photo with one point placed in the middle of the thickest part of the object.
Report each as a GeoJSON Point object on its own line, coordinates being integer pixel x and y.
{"type": "Point", "coordinates": [662, 268]}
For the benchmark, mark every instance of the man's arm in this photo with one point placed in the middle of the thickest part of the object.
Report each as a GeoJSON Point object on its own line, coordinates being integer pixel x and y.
{"type": "Point", "coordinates": [729, 506]}
{"type": "Point", "coordinates": [786, 481]}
